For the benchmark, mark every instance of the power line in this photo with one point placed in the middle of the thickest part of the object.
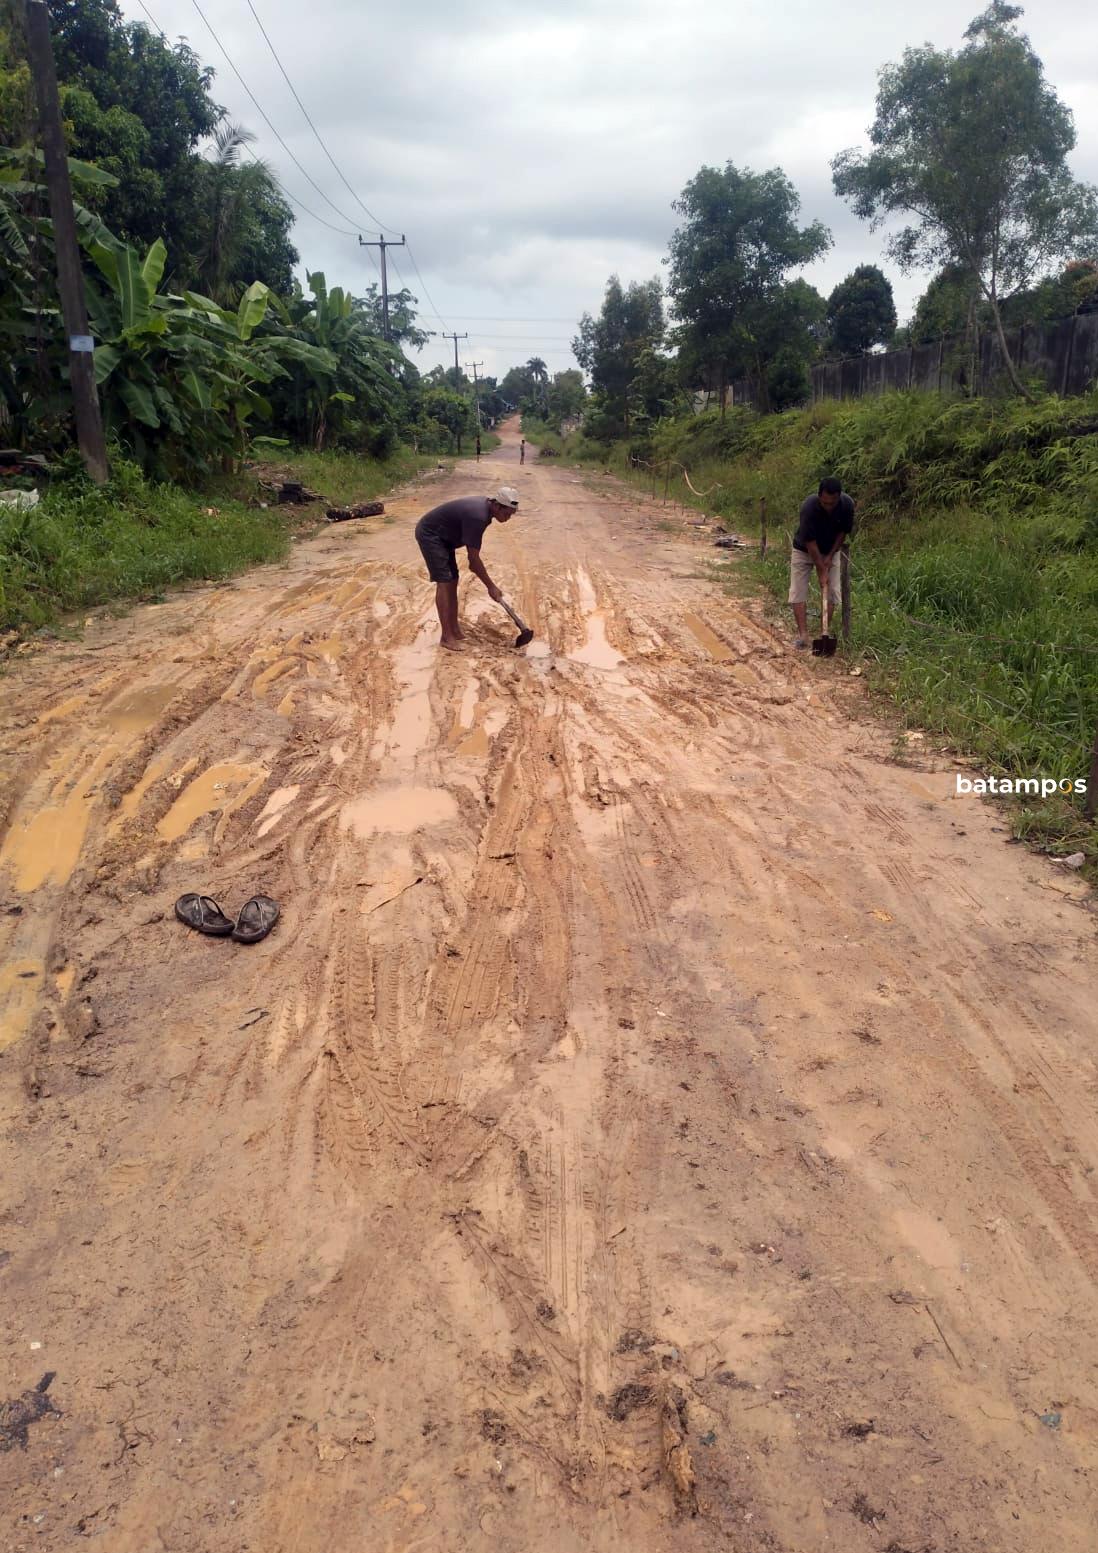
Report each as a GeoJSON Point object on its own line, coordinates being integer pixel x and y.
{"type": "Point", "coordinates": [484, 318]}
{"type": "Point", "coordinates": [281, 188]}
{"type": "Point", "coordinates": [423, 285]}
{"type": "Point", "coordinates": [312, 126]}
{"type": "Point", "coordinates": [309, 179]}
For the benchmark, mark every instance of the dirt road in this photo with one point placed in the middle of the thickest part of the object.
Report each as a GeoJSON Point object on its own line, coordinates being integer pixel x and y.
{"type": "Point", "coordinates": [660, 1119]}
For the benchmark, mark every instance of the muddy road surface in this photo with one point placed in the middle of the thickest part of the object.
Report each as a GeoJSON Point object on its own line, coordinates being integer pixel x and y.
{"type": "Point", "coordinates": [660, 1119]}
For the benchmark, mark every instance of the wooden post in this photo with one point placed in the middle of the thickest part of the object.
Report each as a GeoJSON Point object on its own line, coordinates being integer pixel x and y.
{"type": "Point", "coordinates": [666, 482]}
{"type": "Point", "coordinates": [762, 528]}
{"type": "Point", "coordinates": [70, 279]}
{"type": "Point", "coordinates": [844, 589]}
{"type": "Point", "coordinates": [1090, 808]}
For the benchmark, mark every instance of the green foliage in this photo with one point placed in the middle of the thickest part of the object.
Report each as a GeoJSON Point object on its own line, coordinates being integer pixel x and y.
{"type": "Point", "coordinates": [729, 260]}
{"type": "Point", "coordinates": [976, 518]}
{"type": "Point", "coordinates": [609, 348]}
{"type": "Point", "coordinates": [85, 545]}
{"type": "Point", "coordinates": [861, 312]}
{"type": "Point", "coordinates": [452, 414]}
{"type": "Point", "coordinates": [973, 147]}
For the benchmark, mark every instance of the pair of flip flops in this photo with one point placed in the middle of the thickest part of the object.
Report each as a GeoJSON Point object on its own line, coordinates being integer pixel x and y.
{"type": "Point", "coordinates": [257, 917]}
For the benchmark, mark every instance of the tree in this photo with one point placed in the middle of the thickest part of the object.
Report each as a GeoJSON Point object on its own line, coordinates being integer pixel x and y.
{"type": "Point", "coordinates": [973, 147]}
{"type": "Point", "coordinates": [403, 329]}
{"type": "Point", "coordinates": [451, 411]}
{"type": "Point", "coordinates": [244, 223]}
{"type": "Point", "coordinates": [540, 374]}
{"type": "Point", "coordinates": [608, 347]}
{"type": "Point", "coordinates": [729, 260]}
{"type": "Point", "coordinates": [566, 396]}
{"type": "Point", "coordinates": [861, 312]}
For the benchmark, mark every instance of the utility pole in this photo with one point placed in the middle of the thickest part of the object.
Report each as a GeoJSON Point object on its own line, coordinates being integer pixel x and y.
{"type": "Point", "coordinates": [384, 243]}
{"type": "Point", "coordinates": [442, 335]}
{"type": "Point", "coordinates": [476, 388]}
{"type": "Point", "coordinates": [70, 279]}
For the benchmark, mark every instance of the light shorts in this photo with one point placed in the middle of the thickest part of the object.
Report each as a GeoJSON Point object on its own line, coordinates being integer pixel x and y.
{"type": "Point", "coordinates": [801, 567]}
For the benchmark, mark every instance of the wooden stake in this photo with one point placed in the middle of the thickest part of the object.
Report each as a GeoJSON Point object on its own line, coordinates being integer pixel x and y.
{"type": "Point", "coordinates": [1091, 806]}
{"type": "Point", "coordinates": [762, 527]}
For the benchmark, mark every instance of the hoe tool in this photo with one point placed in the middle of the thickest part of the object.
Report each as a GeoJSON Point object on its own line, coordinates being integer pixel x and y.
{"type": "Point", "coordinates": [525, 634]}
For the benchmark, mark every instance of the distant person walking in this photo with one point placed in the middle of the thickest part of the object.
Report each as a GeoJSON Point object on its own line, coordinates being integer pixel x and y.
{"type": "Point", "coordinates": [478, 447]}
{"type": "Point", "coordinates": [522, 451]}
{"type": "Point", "coordinates": [826, 520]}
{"type": "Point", "coordinates": [442, 532]}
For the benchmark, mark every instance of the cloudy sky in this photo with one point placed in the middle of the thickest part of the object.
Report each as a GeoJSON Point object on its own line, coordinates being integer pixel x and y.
{"type": "Point", "coordinates": [529, 151]}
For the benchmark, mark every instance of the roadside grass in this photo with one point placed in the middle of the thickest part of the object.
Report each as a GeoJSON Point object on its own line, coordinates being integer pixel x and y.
{"type": "Point", "coordinates": [85, 545]}
{"type": "Point", "coordinates": [974, 567]}
{"type": "Point", "coordinates": [541, 434]}
{"type": "Point", "coordinates": [340, 476]}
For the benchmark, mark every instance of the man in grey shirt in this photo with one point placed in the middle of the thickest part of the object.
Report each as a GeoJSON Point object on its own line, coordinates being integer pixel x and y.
{"type": "Point", "coordinates": [442, 532]}
{"type": "Point", "coordinates": [826, 520]}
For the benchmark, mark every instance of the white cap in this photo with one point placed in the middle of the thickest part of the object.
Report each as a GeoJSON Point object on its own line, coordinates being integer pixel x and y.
{"type": "Point", "coordinates": [507, 496]}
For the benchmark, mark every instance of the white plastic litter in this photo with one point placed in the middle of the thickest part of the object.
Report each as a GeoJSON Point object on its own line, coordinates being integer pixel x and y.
{"type": "Point", "coordinates": [19, 501]}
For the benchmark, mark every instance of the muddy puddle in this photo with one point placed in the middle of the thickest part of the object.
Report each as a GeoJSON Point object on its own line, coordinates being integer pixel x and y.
{"type": "Point", "coordinates": [398, 811]}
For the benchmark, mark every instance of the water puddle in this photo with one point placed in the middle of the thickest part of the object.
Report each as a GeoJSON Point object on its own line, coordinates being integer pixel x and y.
{"type": "Point", "coordinates": [139, 709]}
{"type": "Point", "coordinates": [61, 710]}
{"type": "Point", "coordinates": [596, 650]}
{"type": "Point", "coordinates": [279, 800]}
{"type": "Point", "coordinates": [20, 984]}
{"type": "Point", "coordinates": [410, 729]}
{"type": "Point", "coordinates": [268, 676]}
{"type": "Point", "coordinates": [475, 742]}
{"type": "Point", "coordinates": [47, 845]}
{"type": "Point", "coordinates": [330, 648]}
{"type": "Point", "coordinates": [708, 638]}
{"type": "Point", "coordinates": [212, 791]}
{"type": "Point", "coordinates": [153, 773]}
{"type": "Point", "coordinates": [398, 811]}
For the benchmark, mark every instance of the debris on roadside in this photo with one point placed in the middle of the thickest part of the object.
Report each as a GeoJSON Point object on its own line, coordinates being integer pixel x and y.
{"type": "Point", "coordinates": [17, 1415]}
{"type": "Point", "coordinates": [366, 509]}
{"type": "Point", "coordinates": [730, 542]}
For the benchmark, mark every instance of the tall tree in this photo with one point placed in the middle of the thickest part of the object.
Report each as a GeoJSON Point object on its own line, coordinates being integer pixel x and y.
{"type": "Point", "coordinates": [608, 347]}
{"type": "Point", "coordinates": [861, 312]}
{"type": "Point", "coordinates": [729, 261]}
{"type": "Point", "coordinates": [972, 146]}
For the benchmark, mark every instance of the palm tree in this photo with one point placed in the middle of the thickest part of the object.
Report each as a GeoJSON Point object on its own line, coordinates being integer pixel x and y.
{"type": "Point", "coordinates": [236, 190]}
{"type": "Point", "coordinates": [540, 374]}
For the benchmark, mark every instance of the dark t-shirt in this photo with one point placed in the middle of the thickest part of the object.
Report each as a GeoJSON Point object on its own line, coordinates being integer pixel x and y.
{"type": "Point", "coordinates": [821, 526]}
{"type": "Point", "coordinates": [457, 523]}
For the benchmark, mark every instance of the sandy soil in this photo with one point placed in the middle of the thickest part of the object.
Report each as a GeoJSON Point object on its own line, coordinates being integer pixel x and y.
{"type": "Point", "coordinates": [660, 1119]}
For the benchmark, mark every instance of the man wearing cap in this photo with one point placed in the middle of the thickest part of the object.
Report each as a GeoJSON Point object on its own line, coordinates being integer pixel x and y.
{"type": "Point", "coordinates": [443, 531]}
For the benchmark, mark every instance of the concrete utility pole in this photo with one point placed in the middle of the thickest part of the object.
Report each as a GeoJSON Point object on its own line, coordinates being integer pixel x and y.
{"type": "Point", "coordinates": [384, 243]}
{"type": "Point", "coordinates": [476, 387]}
{"type": "Point", "coordinates": [455, 337]}
{"type": "Point", "coordinates": [70, 279]}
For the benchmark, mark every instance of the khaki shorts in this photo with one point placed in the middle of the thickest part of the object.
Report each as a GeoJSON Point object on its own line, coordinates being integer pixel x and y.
{"type": "Point", "coordinates": [801, 568]}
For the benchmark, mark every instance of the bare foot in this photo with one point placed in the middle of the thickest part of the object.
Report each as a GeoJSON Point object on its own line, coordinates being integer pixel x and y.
{"type": "Point", "coordinates": [460, 634]}
{"type": "Point", "coordinates": [451, 643]}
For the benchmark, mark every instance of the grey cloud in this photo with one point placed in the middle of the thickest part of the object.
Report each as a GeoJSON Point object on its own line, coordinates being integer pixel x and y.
{"type": "Point", "coordinates": [528, 152]}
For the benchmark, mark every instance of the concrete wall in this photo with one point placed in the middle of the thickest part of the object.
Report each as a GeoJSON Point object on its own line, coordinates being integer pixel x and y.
{"type": "Point", "coordinates": [1062, 355]}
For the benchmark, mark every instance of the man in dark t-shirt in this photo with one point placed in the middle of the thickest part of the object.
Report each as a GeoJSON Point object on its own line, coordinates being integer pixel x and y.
{"type": "Point", "coordinates": [442, 532]}
{"type": "Point", "coordinates": [826, 520]}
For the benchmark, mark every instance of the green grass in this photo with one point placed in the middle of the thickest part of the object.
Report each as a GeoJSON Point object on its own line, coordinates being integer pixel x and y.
{"type": "Point", "coordinates": [132, 538]}
{"type": "Point", "coordinates": [974, 568]}
{"type": "Point", "coordinates": [342, 477]}
{"type": "Point", "coordinates": [541, 434]}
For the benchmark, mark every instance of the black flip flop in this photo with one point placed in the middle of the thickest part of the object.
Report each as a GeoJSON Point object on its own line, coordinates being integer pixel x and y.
{"type": "Point", "coordinates": [257, 917]}
{"type": "Point", "coordinates": [203, 914]}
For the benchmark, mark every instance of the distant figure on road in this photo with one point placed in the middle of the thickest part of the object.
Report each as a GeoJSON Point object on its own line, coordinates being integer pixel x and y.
{"type": "Point", "coordinates": [443, 531]}
{"type": "Point", "coordinates": [478, 447]}
{"type": "Point", "coordinates": [825, 521]}
{"type": "Point", "coordinates": [522, 451]}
